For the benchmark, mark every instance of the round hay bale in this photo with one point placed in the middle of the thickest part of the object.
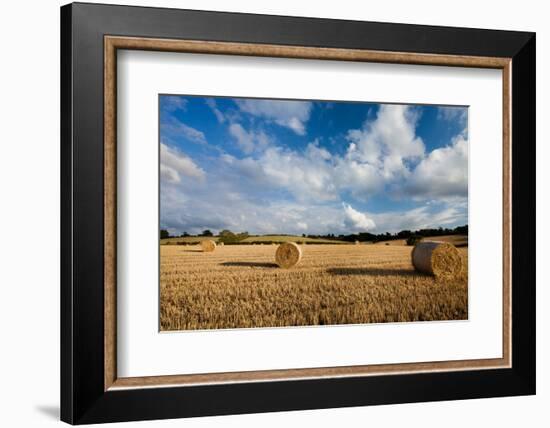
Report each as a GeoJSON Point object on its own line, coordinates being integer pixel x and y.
{"type": "Point", "coordinates": [440, 259]}
{"type": "Point", "coordinates": [356, 242]}
{"type": "Point", "coordinates": [288, 254]}
{"type": "Point", "coordinates": [208, 246]}
{"type": "Point", "coordinates": [221, 244]}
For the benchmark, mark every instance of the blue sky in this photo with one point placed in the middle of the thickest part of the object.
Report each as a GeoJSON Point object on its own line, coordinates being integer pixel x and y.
{"type": "Point", "coordinates": [314, 167]}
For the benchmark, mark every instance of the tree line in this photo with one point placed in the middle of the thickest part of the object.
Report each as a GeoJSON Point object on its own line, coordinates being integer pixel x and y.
{"type": "Point", "coordinates": [403, 234]}
{"type": "Point", "coordinates": [411, 236]}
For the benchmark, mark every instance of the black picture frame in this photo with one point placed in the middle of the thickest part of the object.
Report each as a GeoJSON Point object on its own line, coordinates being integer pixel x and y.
{"type": "Point", "coordinates": [83, 398]}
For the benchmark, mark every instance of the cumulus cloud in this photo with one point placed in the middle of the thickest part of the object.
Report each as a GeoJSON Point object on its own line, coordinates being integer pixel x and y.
{"type": "Point", "coordinates": [248, 141]}
{"type": "Point", "coordinates": [176, 128]}
{"type": "Point", "coordinates": [387, 141]}
{"type": "Point", "coordinates": [193, 210]}
{"type": "Point", "coordinates": [169, 175]}
{"type": "Point", "coordinates": [443, 173]}
{"type": "Point", "coordinates": [174, 164]}
{"type": "Point", "coordinates": [375, 157]}
{"type": "Point", "coordinates": [308, 175]}
{"type": "Point", "coordinates": [360, 178]}
{"type": "Point", "coordinates": [290, 114]}
{"type": "Point", "coordinates": [445, 214]}
{"type": "Point", "coordinates": [357, 221]}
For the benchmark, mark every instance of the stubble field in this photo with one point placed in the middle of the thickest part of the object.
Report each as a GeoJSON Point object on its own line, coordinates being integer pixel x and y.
{"type": "Point", "coordinates": [241, 287]}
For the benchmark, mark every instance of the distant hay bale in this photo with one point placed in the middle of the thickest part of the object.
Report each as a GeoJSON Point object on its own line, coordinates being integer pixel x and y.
{"type": "Point", "coordinates": [356, 242]}
{"type": "Point", "coordinates": [221, 244]}
{"type": "Point", "coordinates": [288, 254]}
{"type": "Point", "coordinates": [208, 246]}
{"type": "Point", "coordinates": [440, 259]}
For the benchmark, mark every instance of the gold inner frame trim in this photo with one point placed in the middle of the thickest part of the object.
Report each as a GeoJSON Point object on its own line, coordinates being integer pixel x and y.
{"type": "Point", "coordinates": [113, 43]}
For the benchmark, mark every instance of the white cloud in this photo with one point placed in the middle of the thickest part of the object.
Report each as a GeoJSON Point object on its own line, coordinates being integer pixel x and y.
{"type": "Point", "coordinates": [217, 209]}
{"type": "Point", "coordinates": [301, 225]}
{"type": "Point", "coordinates": [307, 176]}
{"type": "Point", "coordinates": [380, 157]}
{"type": "Point", "coordinates": [453, 114]}
{"type": "Point", "coordinates": [289, 114]}
{"type": "Point", "coordinates": [387, 141]}
{"type": "Point", "coordinates": [194, 210]}
{"type": "Point", "coordinates": [169, 175]}
{"type": "Point", "coordinates": [248, 141]}
{"type": "Point", "coordinates": [239, 195]}
{"type": "Point", "coordinates": [362, 179]}
{"type": "Point", "coordinates": [356, 221]}
{"type": "Point", "coordinates": [172, 103]}
{"type": "Point", "coordinates": [427, 216]}
{"type": "Point", "coordinates": [179, 129]}
{"type": "Point", "coordinates": [443, 173]}
{"type": "Point", "coordinates": [174, 164]}
{"type": "Point", "coordinates": [375, 157]}
{"type": "Point", "coordinates": [217, 112]}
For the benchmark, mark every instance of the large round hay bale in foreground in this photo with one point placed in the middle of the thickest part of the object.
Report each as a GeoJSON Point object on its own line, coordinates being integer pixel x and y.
{"type": "Point", "coordinates": [440, 259]}
{"type": "Point", "coordinates": [288, 254]}
{"type": "Point", "coordinates": [208, 246]}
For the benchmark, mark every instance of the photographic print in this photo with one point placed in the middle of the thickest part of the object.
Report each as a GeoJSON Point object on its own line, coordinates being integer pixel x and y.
{"type": "Point", "coordinates": [285, 213]}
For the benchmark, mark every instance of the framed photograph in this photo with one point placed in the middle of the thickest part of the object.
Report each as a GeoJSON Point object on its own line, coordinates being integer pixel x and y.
{"type": "Point", "coordinates": [266, 213]}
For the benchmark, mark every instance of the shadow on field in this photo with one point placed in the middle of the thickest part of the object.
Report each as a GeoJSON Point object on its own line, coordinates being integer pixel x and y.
{"type": "Point", "coordinates": [193, 251]}
{"type": "Point", "coordinates": [373, 271]}
{"type": "Point", "coordinates": [250, 264]}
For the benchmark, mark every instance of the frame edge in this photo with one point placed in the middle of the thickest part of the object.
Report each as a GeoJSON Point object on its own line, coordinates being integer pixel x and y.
{"type": "Point", "coordinates": [524, 216]}
{"type": "Point", "coordinates": [66, 315]}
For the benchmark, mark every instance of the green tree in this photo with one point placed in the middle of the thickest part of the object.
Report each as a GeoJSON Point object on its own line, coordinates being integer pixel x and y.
{"type": "Point", "coordinates": [207, 233]}
{"type": "Point", "coordinates": [413, 240]}
{"type": "Point", "coordinates": [228, 237]}
{"type": "Point", "coordinates": [164, 234]}
{"type": "Point", "coordinates": [404, 234]}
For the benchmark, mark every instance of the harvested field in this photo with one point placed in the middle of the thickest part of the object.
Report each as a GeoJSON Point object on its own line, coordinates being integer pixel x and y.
{"type": "Point", "coordinates": [242, 287]}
